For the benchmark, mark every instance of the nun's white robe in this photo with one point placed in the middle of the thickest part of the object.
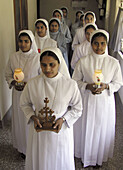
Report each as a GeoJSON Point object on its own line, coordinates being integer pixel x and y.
{"type": "Point", "coordinates": [96, 128]}
{"type": "Point", "coordinates": [44, 42]}
{"type": "Point", "coordinates": [48, 150]}
{"type": "Point", "coordinates": [29, 62]}
{"type": "Point", "coordinates": [81, 50]}
{"type": "Point", "coordinates": [79, 37]}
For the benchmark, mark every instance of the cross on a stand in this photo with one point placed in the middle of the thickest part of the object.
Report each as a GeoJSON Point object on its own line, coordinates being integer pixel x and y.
{"type": "Point", "coordinates": [46, 119]}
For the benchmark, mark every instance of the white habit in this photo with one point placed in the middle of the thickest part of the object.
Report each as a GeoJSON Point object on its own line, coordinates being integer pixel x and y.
{"type": "Point", "coordinates": [29, 62]}
{"type": "Point", "coordinates": [79, 37]}
{"type": "Point", "coordinates": [96, 139]}
{"type": "Point", "coordinates": [46, 41]}
{"type": "Point", "coordinates": [80, 32]}
{"type": "Point", "coordinates": [80, 51]}
{"type": "Point", "coordinates": [49, 150]}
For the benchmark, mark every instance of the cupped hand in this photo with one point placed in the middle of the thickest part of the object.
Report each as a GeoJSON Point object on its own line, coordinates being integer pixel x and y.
{"type": "Point", "coordinates": [20, 87]}
{"type": "Point", "coordinates": [58, 124]}
{"type": "Point", "coordinates": [91, 87]}
{"type": "Point", "coordinates": [103, 86]}
{"type": "Point", "coordinates": [36, 121]}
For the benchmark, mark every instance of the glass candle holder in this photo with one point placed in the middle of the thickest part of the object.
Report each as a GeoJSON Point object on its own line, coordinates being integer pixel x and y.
{"type": "Point", "coordinates": [18, 75]}
{"type": "Point", "coordinates": [97, 78]}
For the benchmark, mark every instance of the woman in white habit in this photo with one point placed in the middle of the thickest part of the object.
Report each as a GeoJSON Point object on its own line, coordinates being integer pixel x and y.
{"type": "Point", "coordinates": [96, 128]}
{"type": "Point", "coordinates": [42, 35]}
{"type": "Point", "coordinates": [48, 150]}
{"type": "Point", "coordinates": [64, 28]}
{"type": "Point", "coordinates": [29, 61]}
{"type": "Point", "coordinates": [85, 47]}
{"type": "Point", "coordinates": [89, 17]}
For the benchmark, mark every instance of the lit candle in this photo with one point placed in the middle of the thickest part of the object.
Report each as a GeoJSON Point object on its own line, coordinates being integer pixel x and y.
{"type": "Point", "coordinates": [97, 77]}
{"type": "Point", "coordinates": [18, 75]}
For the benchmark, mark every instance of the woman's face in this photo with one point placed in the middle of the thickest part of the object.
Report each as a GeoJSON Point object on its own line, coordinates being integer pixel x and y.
{"type": "Point", "coordinates": [99, 45]}
{"type": "Point", "coordinates": [78, 16]}
{"type": "Point", "coordinates": [49, 66]}
{"type": "Point", "coordinates": [64, 13]}
{"type": "Point", "coordinates": [41, 29]}
{"type": "Point", "coordinates": [54, 26]}
{"type": "Point", "coordinates": [57, 15]}
{"type": "Point", "coordinates": [24, 43]}
{"type": "Point", "coordinates": [89, 19]}
{"type": "Point", "coordinates": [88, 33]}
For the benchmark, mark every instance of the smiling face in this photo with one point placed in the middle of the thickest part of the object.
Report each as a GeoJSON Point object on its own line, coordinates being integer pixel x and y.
{"type": "Point", "coordinates": [41, 29]}
{"type": "Point", "coordinates": [54, 26]}
{"type": "Point", "coordinates": [99, 45]}
{"type": "Point", "coordinates": [49, 66]}
{"type": "Point", "coordinates": [89, 19]}
{"type": "Point", "coordinates": [24, 43]}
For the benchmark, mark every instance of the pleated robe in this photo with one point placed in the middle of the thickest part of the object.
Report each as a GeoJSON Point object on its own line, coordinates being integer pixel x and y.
{"type": "Point", "coordinates": [48, 150]}
{"type": "Point", "coordinates": [94, 132]}
{"type": "Point", "coordinates": [29, 62]}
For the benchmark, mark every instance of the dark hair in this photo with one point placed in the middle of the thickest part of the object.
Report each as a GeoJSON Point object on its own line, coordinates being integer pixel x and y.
{"type": "Point", "coordinates": [82, 15]}
{"type": "Point", "coordinates": [99, 34]}
{"type": "Point", "coordinates": [40, 22]}
{"type": "Point", "coordinates": [89, 26]}
{"type": "Point", "coordinates": [49, 53]}
{"type": "Point", "coordinates": [57, 11]}
{"type": "Point", "coordinates": [63, 8]}
{"type": "Point", "coordinates": [78, 12]}
{"type": "Point", "coordinates": [53, 21]}
{"type": "Point", "coordinates": [24, 34]}
{"type": "Point", "coordinates": [89, 13]}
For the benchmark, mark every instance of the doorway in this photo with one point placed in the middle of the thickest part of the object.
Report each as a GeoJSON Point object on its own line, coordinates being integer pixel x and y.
{"type": "Point", "coordinates": [20, 17]}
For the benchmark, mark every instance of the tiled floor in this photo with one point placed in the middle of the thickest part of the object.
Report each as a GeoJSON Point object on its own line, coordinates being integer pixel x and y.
{"type": "Point", "coordinates": [11, 160]}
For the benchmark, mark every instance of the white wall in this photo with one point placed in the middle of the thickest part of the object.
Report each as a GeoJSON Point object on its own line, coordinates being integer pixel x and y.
{"type": "Point", "coordinates": [7, 46]}
{"type": "Point", "coordinates": [47, 7]}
